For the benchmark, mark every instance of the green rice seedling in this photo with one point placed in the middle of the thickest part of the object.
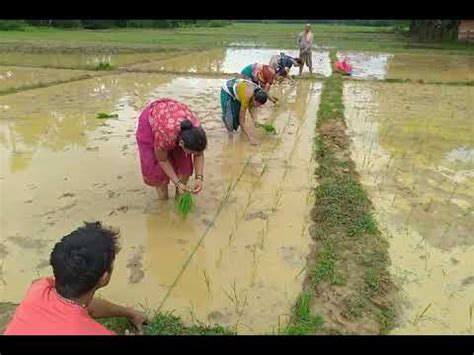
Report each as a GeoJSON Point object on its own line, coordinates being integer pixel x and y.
{"type": "Point", "coordinates": [185, 204]}
{"type": "Point", "coordinates": [269, 128]}
{"type": "Point", "coordinates": [417, 319]}
{"type": "Point", "coordinates": [104, 66]}
{"type": "Point", "coordinates": [103, 115]}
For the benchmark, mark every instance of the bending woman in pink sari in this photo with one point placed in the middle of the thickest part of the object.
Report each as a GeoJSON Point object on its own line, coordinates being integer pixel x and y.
{"type": "Point", "coordinates": [170, 139]}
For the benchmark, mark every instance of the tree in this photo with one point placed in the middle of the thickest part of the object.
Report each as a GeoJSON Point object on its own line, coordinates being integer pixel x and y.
{"type": "Point", "coordinates": [434, 30]}
{"type": "Point", "coordinates": [67, 23]}
{"type": "Point", "coordinates": [97, 24]}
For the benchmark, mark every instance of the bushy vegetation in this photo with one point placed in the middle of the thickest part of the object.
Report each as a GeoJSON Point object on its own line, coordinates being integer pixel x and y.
{"type": "Point", "coordinates": [104, 24]}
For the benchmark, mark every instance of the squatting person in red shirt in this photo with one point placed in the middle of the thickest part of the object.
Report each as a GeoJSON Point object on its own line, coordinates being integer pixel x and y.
{"type": "Point", "coordinates": [82, 263]}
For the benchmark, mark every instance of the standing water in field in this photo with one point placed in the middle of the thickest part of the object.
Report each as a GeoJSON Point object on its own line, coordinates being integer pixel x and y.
{"type": "Point", "coordinates": [237, 258]}
{"type": "Point", "coordinates": [413, 146]}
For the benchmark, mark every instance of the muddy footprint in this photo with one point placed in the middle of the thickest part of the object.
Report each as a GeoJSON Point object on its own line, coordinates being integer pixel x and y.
{"type": "Point", "coordinates": [136, 267]}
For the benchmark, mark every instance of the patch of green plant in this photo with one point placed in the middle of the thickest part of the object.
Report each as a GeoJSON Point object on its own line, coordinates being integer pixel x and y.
{"type": "Point", "coordinates": [185, 204]}
{"type": "Point", "coordinates": [365, 224]}
{"type": "Point", "coordinates": [325, 266]}
{"type": "Point", "coordinates": [164, 324]}
{"type": "Point", "coordinates": [269, 128]}
{"type": "Point", "coordinates": [104, 66]}
{"type": "Point", "coordinates": [304, 323]}
{"type": "Point", "coordinates": [103, 115]}
{"type": "Point", "coordinates": [385, 320]}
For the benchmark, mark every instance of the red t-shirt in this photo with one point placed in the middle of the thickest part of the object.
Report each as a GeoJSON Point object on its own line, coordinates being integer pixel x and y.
{"type": "Point", "coordinates": [44, 312]}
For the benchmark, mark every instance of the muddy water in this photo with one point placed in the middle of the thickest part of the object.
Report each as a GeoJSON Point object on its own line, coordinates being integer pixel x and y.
{"type": "Point", "coordinates": [236, 260]}
{"type": "Point", "coordinates": [76, 59]}
{"type": "Point", "coordinates": [414, 67]}
{"type": "Point", "coordinates": [413, 146]}
{"type": "Point", "coordinates": [233, 60]}
{"type": "Point", "coordinates": [431, 68]}
{"type": "Point", "coordinates": [15, 77]}
{"type": "Point", "coordinates": [367, 65]}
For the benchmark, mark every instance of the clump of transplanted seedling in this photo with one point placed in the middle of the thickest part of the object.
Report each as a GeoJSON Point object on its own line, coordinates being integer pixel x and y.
{"type": "Point", "coordinates": [185, 204]}
{"type": "Point", "coordinates": [104, 66]}
{"type": "Point", "coordinates": [238, 303]}
{"type": "Point", "coordinates": [103, 115]}
{"type": "Point", "coordinates": [269, 128]}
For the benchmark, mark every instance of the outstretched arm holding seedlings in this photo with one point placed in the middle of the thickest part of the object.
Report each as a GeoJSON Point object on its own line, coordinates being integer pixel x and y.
{"type": "Point", "coordinates": [162, 156]}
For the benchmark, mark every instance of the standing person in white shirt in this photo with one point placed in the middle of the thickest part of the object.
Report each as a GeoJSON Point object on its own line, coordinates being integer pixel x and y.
{"type": "Point", "coordinates": [305, 42]}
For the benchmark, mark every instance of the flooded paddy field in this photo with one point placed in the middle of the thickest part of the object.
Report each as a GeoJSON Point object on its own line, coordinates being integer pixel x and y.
{"type": "Point", "coordinates": [431, 68]}
{"type": "Point", "coordinates": [77, 60]}
{"type": "Point", "coordinates": [236, 260]}
{"type": "Point", "coordinates": [12, 78]}
{"type": "Point", "coordinates": [412, 67]}
{"type": "Point", "coordinates": [413, 146]}
{"type": "Point", "coordinates": [233, 60]}
{"type": "Point", "coordinates": [239, 259]}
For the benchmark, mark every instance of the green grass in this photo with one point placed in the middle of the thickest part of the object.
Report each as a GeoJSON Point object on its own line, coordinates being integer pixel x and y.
{"type": "Point", "coordinates": [325, 267]}
{"type": "Point", "coordinates": [165, 324]}
{"type": "Point", "coordinates": [255, 34]}
{"type": "Point", "coordinates": [349, 252]}
{"type": "Point", "coordinates": [304, 323]}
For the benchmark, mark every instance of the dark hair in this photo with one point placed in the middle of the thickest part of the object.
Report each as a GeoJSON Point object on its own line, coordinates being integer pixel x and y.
{"type": "Point", "coordinates": [281, 70]}
{"type": "Point", "coordinates": [260, 95]}
{"type": "Point", "coordinates": [299, 61]}
{"type": "Point", "coordinates": [82, 257]}
{"type": "Point", "coordinates": [194, 138]}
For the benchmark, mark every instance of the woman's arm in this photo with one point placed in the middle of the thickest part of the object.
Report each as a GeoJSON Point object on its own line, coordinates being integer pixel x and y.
{"type": "Point", "coordinates": [267, 90]}
{"type": "Point", "coordinates": [245, 129]}
{"type": "Point", "coordinates": [253, 116]}
{"type": "Point", "coordinates": [162, 156]}
{"type": "Point", "coordinates": [199, 166]}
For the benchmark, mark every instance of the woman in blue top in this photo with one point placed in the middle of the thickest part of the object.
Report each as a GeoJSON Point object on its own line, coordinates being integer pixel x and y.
{"type": "Point", "coordinates": [283, 63]}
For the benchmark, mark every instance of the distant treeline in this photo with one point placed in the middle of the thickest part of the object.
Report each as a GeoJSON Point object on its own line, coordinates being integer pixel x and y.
{"type": "Point", "coordinates": [380, 23]}
{"type": "Point", "coordinates": [104, 24]}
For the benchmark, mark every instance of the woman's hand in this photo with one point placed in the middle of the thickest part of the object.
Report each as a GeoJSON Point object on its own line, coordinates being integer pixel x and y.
{"type": "Point", "coordinates": [197, 186]}
{"type": "Point", "coordinates": [182, 188]}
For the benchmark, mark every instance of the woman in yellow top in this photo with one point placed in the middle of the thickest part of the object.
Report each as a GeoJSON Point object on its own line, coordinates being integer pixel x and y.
{"type": "Point", "coordinates": [237, 97]}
